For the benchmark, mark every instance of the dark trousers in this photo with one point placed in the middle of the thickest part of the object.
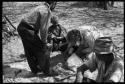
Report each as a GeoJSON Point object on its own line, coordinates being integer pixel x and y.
{"type": "Point", "coordinates": [63, 47]}
{"type": "Point", "coordinates": [35, 50]}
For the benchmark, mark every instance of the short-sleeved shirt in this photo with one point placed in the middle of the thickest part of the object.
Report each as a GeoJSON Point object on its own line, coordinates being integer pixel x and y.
{"type": "Point", "coordinates": [114, 72]}
{"type": "Point", "coordinates": [89, 35]}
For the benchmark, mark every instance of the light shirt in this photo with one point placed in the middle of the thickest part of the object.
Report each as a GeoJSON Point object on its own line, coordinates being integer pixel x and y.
{"type": "Point", "coordinates": [114, 72]}
{"type": "Point", "coordinates": [39, 20]}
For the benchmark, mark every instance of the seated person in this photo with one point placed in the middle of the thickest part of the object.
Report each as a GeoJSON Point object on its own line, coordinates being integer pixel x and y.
{"type": "Point", "coordinates": [110, 66]}
{"type": "Point", "coordinates": [56, 34]}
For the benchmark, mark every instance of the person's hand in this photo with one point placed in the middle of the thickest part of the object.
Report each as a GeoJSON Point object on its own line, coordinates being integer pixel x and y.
{"type": "Point", "coordinates": [49, 46]}
{"type": "Point", "coordinates": [60, 38]}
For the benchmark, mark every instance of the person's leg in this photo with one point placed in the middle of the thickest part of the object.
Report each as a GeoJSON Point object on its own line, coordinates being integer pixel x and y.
{"type": "Point", "coordinates": [32, 62]}
{"type": "Point", "coordinates": [43, 60]}
{"type": "Point", "coordinates": [34, 48]}
{"type": "Point", "coordinates": [79, 75]}
{"type": "Point", "coordinates": [42, 54]}
{"type": "Point", "coordinates": [47, 66]}
{"type": "Point", "coordinates": [27, 44]}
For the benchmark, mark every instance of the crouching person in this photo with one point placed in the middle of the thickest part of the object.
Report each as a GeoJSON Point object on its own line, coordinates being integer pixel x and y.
{"type": "Point", "coordinates": [110, 67]}
{"type": "Point", "coordinates": [33, 30]}
{"type": "Point", "coordinates": [80, 45]}
{"type": "Point", "coordinates": [81, 41]}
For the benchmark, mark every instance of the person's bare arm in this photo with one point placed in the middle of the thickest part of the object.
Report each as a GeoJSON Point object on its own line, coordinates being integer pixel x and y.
{"type": "Point", "coordinates": [118, 72]}
{"type": "Point", "coordinates": [68, 51]}
{"type": "Point", "coordinates": [89, 64]}
{"type": "Point", "coordinates": [80, 72]}
{"type": "Point", "coordinates": [44, 19]}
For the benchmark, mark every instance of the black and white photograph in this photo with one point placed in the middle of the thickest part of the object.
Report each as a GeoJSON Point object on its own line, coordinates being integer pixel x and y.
{"type": "Point", "coordinates": [62, 41]}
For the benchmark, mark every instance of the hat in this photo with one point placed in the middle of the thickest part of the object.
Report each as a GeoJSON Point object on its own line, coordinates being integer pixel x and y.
{"type": "Point", "coordinates": [103, 45]}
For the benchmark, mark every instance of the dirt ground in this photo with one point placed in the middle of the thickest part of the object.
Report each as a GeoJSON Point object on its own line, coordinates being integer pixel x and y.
{"type": "Point", "coordinates": [71, 15]}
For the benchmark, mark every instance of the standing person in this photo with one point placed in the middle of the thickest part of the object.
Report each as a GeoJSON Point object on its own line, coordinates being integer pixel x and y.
{"type": "Point", "coordinates": [110, 66]}
{"type": "Point", "coordinates": [56, 34]}
{"type": "Point", "coordinates": [33, 30]}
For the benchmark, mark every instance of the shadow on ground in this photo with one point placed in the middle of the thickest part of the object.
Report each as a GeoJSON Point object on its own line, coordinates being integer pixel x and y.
{"type": "Point", "coordinates": [57, 59]}
{"type": "Point", "coordinates": [9, 72]}
{"type": "Point", "coordinates": [22, 56]}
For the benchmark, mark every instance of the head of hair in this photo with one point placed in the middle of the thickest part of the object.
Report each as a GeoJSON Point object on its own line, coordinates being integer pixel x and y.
{"type": "Point", "coordinates": [74, 35]}
{"type": "Point", "coordinates": [54, 20]}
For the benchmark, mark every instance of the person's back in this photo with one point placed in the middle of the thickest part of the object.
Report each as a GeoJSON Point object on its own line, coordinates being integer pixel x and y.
{"type": "Point", "coordinates": [89, 35]}
{"type": "Point", "coordinates": [33, 19]}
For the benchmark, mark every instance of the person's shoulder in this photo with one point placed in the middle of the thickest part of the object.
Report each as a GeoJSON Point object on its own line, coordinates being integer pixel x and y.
{"type": "Point", "coordinates": [87, 28]}
{"type": "Point", "coordinates": [52, 27]}
{"type": "Point", "coordinates": [41, 9]}
{"type": "Point", "coordinates": [62, 27]}
{"type": "Point", "coordinates": [35, 12]}
{"type": "Point", "coordinates": [118, 62]}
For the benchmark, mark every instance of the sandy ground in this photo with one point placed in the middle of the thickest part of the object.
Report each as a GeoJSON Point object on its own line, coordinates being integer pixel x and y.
{"type": "Point", "coordinates": [71, 15]}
